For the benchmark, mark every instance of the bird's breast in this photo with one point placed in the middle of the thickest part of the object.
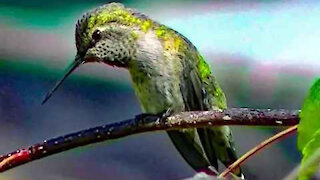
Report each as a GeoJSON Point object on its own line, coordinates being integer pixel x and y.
{"type": "Point", "coordinates": [155, 76]}
{"type": "Point", "coordinates": [157, 93]}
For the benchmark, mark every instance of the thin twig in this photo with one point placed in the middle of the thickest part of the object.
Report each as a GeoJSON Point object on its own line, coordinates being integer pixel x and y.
{"type": "Point", "coordinates": [257, 148]}
{"type": "Point", "coordinates": [140, 124]}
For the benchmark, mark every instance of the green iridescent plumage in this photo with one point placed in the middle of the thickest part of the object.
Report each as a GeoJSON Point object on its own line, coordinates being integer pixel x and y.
{"type": "Point", "coordinates": [167, 72]}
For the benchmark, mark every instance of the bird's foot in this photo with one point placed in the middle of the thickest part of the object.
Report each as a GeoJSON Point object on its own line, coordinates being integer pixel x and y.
{"type": "Point", "coordinates": [145, 118]}
{"type": "Point", "coordinates": [164, 115]}
{"type": "Point", "coordinates": [160, 118]}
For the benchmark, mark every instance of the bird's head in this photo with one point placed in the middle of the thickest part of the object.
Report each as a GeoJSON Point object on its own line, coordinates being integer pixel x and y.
{"type": "Point", "coordinates": [107, 34]}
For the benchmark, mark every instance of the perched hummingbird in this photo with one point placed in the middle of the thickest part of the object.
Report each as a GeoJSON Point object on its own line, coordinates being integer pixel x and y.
{"type": "Point", "coordinates": [167, 71]}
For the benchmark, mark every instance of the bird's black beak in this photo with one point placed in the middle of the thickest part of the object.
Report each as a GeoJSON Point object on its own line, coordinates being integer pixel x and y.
{"type": "Point", "coordinates": [78, 61]}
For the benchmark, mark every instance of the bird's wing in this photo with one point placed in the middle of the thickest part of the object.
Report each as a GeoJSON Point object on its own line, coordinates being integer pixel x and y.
{"type": "Point", "coordinates": [195, 87]}
{"type": "Point", "coordinates": [200, 91]}
{"type": "Point", "coordinates": [187, 141]}
{"type": "Point", "coordinates": [216, 141]}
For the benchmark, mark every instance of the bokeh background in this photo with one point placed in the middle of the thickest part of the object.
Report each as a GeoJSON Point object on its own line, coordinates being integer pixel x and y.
{"type": "Point", "coordinates": [265, 54]}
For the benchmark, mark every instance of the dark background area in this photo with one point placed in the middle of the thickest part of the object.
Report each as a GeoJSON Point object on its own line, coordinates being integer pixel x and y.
{"type": "Point", "coordinates": [263, 53]}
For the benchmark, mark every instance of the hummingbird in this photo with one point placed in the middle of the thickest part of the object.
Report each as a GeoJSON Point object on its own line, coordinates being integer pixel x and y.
{"type": "Point", "coordinates": [167, 72]}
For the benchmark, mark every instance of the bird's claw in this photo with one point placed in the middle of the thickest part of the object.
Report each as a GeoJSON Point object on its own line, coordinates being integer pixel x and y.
{"type": "Point", "coordinates": [167, 113]}
{"type": "Point", "coordinates": [144, 118]}
{"type": "Point", "coordinates": [149, 118]}
{"type": "Point", "coordinates": [163, 116]}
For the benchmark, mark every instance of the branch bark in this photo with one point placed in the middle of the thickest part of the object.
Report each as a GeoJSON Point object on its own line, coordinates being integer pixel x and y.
{"type": "Point", "coordinates": [141, 124]}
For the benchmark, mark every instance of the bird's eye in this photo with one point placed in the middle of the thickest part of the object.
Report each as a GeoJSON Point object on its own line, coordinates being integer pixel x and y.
{"type": "Point", "coordinates": [96, 35]}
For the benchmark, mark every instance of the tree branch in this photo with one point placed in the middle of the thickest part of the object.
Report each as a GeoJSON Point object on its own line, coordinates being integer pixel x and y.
{"type": "Point", "coordinates": [140, 124]}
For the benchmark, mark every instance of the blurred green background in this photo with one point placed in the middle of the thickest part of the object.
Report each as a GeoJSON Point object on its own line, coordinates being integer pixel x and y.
{"type": "Point", "coordinates": [264, 54]}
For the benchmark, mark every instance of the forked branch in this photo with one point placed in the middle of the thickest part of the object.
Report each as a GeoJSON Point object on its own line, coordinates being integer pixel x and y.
{"type": "Point", "coordinates": [141, 124]}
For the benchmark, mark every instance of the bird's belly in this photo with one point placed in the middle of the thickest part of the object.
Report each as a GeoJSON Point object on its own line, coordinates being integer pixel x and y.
{"type": "Point", "coordinates": [158, 95]}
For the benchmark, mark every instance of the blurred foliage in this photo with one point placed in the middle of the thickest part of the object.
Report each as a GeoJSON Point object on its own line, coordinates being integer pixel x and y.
{"type": "Point", "coordinates": [308, 131]}
{"type": "Point", "coordinates": [36, 70]}
{"type": "Point", "coordinates": [310, 152]}
{"type": "Point", "coordinates": [42, 14]}
{"type": "Point", "coordinates": [310, 116]}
